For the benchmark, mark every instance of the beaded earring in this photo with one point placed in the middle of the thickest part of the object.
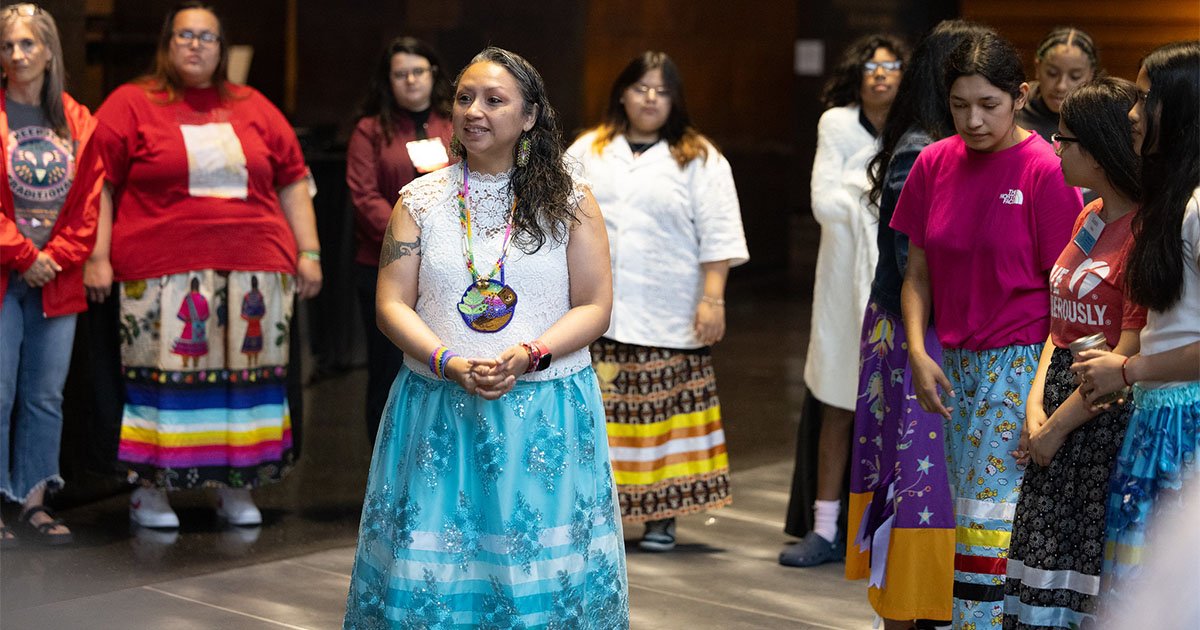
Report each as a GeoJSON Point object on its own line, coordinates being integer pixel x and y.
{"type": "Point", "coordinates": [523, 152]}
{"type": "Point", "coordinates": [456, 147]}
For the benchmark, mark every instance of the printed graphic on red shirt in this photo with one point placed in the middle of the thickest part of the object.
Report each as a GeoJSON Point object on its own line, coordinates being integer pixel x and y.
{"type": "Point", "coordinates": [1070, 303]}
{"type": "Point", "coordinates": [216, 162]}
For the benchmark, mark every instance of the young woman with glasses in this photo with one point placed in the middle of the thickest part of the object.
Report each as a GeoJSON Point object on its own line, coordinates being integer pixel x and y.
{"type": "Point", "coordinates": [857, 97]}
{"type": "Point", "coordinates": [675, 229]}
{"type": "Point", "coordinates": [1057, 545]}
{"type": "Point", "coordinates": [212, 238]}
{"type": "Point", "coordinates": [403, 131]}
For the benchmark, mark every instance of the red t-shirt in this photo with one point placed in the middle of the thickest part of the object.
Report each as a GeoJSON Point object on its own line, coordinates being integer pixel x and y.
{"type": "Point", "coordinates": [195, 181]}
{"type": "Point", "coordinates": [1087, 293]}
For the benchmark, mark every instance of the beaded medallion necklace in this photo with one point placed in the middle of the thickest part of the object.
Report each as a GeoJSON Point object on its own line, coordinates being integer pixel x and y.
{"type": "Point", "coordinates": [488, 304]}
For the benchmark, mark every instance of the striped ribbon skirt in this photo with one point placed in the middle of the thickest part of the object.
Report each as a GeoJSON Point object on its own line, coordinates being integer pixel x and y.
{"type": "Point", "coordinates": [204, 358]}
{"type": "Point", "coordinates": [665, 435]}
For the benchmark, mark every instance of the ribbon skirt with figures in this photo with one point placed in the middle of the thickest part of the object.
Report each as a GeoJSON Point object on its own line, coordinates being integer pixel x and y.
{"type": "Point", "coordinates": [204, 357]}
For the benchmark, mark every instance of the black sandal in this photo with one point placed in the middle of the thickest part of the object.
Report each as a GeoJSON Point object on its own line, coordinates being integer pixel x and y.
{"type": "Point", "coordinates": [41, 532]}
{"type": "Point", "coordinates": [8, 538]}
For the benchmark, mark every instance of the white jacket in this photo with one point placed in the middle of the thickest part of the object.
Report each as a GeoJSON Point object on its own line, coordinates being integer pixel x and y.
{"type": "Point", "coordinates": [846, 258]}
{"type": "Point", "coordinates": [663, 222]}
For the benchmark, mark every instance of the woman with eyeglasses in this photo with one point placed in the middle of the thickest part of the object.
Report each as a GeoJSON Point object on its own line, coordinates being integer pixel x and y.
{"type": "Point", "coordinates": [1157, 461]}
{"type": "Point", "coordinates": [1066, 59]}
{"type": "Point", "coordinates": [675, 229]}
{"type": "Point", "coordinates": [403, 131]}
{"type": "Point", "coordinates": [50, 200]}
{"type": "Point", "coordinates": [212, 206]}
{"type": "Point", "coordinates": [1057, 545]}
{"type": "Point", "coordinates": [857, 97]}
{"type": "Point", "coordinates": [987, 213]}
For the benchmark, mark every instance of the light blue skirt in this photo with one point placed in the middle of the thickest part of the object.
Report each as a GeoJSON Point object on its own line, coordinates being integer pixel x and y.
{"type": "Point", "coordinates": [490, 513]}
{"type": "Point", "coordinates": [1157, 459]}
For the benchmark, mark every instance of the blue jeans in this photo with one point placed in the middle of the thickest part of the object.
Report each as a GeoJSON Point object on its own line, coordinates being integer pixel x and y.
{"type": "Point", "coordinates": [35, 353]}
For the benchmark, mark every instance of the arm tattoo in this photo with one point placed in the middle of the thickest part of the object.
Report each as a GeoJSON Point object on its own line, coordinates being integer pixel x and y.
{"type": "Point", "coordinates": [394, 250]}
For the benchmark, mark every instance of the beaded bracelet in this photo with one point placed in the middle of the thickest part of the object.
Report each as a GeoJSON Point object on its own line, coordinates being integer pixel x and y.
{"type": "Point", "coordinates": [311, 254]}
{"type": "Point", "coordinates": [712, 300]}
{"type": "Point", "coordinates": [1123, 376]}
{"type": "Point", "coordinates": [439, 359]}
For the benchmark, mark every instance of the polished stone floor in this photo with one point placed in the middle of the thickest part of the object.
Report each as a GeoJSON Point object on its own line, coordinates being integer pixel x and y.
{"type": "Point", "coordinates": [293, 571]}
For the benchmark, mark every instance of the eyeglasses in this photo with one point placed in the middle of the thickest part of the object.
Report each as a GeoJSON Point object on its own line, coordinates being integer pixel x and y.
{"type": "Point", "coordinates": [890, 66]}
{"type": "Point", "coordinates": [1058, 140]}
{"type": "Point", "coordinates": [185, 38]}
{"type": "Point", "coordinates": [645, 91]}
{"type": "Point", "coordinates": [415, 73]}
{"type": "Point", "coordinates": [24, 10]}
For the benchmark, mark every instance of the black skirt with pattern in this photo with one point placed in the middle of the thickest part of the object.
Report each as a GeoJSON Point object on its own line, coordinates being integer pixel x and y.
{"type": "Point", "coordinates": [1057, 544]}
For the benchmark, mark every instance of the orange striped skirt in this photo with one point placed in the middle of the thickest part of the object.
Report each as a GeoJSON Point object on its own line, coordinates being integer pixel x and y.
{"type": "Point", "coordinates": [665, 437]}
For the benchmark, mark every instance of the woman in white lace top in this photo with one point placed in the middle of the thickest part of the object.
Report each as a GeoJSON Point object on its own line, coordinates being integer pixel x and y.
{"type": "Point", "coordinates": [490, 498]}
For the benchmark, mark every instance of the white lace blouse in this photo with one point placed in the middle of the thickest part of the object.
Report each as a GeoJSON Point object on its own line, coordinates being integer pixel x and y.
{"type": "Point", "coordinates": [540, 280]}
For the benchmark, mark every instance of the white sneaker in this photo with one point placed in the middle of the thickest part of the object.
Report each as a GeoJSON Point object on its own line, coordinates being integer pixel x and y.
{"type": "Point", "coordinates": [149, 507]}
{"type": "Point", "coordinates": [236, 506]}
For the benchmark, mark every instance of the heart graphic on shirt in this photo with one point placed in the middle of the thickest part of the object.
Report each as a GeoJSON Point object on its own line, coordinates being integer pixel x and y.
{"type": "Point", "coordinates": [1088, 276]}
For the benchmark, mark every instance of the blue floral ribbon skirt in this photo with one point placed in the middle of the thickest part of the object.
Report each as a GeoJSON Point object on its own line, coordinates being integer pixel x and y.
{"type": "Point", "coordinates": [490, 513]}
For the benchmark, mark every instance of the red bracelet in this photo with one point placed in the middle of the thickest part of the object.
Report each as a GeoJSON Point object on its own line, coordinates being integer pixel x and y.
{"type": "Point", "coordinates": [535, 355]}
{"type": "Point", "coordinates": [1123, 376]}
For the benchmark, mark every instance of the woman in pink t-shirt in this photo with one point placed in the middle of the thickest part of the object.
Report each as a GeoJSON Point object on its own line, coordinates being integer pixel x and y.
{"type": "Point", "coordinates": [987, 213]}
{"type": "Point", "coordinates": [1071, 446]}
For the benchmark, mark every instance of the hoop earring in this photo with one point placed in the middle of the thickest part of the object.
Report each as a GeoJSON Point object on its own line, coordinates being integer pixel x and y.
{"type": "Point", "coordinates": [523, 152]}
{"type": "Point", "coordinates": [456, 147]}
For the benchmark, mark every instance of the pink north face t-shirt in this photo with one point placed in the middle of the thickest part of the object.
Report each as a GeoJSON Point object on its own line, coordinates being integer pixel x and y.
{"type": "Point", "coordinates": [991, 226]}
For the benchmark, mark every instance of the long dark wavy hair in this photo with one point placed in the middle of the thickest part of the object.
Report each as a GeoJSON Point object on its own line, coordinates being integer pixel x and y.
{"type": "Point", "coordinates": [685, 141]}
{"type": "Point", "coordinates": [543, 186]}
{"type": "Point", "coordinates": [922, 101]}
{"type": "Point", "coordinates": [1097, 113]}
{"type": "Point", "coordinates": [1170, 174]}
{"type": "Point", "coordinates": [380, 100]}
{"type": "Point", "coordinates": [163, 77]}
{"type": "Point", "coordinates": [844, 86]}
{"type": "Point", "coordinates": [42, 24]}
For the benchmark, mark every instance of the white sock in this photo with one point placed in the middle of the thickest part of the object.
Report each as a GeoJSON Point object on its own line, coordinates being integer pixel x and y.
{"type": "Point", "coordinates": [825, 518]}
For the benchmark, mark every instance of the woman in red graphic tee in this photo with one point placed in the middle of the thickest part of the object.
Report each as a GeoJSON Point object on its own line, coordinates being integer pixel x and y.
{"type": "Point", "coordinates": [1071, 447]}
{"type": "Point", "coordinates": [211, 206]}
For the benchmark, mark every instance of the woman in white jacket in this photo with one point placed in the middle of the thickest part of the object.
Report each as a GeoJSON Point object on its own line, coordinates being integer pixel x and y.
{"type": "Point", "coordinates": [858, 97]}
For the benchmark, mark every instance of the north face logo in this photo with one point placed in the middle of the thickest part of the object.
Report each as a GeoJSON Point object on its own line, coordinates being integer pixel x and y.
{"type": "Point", "coordinates": [1014, 197]}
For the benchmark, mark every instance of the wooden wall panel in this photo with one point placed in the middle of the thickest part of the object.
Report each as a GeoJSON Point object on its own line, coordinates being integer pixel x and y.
{"type": "Point", "coordinates": [1124, 31]}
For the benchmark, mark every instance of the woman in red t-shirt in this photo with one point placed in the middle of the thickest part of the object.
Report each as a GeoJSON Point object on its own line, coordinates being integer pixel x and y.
{"type": "Point", "coordinates": [212, 207]}
{"type": "Point", "coordinates": [1072, 448]}
{"type": "Point", "coordinates": [403, 131]}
